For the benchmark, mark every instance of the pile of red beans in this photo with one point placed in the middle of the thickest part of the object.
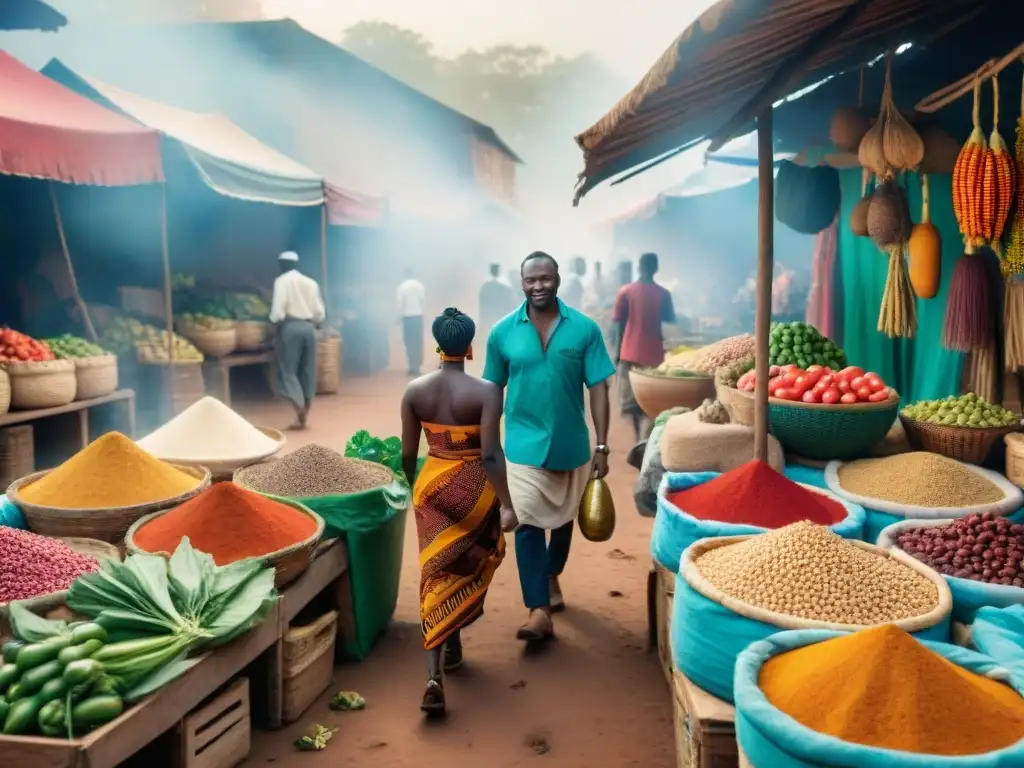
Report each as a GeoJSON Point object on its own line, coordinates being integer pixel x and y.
{"type": "Point", "coordinates": [33, 565]}
{"type": "Point", "coordinates": [981, 547]}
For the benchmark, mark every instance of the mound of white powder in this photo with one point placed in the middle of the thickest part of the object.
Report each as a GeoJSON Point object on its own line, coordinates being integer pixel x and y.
{"type": "Point", "coordinates": [208, 430]}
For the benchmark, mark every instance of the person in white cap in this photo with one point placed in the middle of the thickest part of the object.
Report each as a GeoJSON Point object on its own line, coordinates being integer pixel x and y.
{"type": "Point", "coordinates": [295, 310]}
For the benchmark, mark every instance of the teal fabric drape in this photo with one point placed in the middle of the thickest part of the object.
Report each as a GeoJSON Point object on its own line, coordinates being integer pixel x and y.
{"type": "Point", "coordinates": [919, 368]}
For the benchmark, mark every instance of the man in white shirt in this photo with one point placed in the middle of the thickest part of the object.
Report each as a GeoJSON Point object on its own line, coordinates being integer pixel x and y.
{"type": "Point", "coordinates": [295, 310]}
{"type": "Point", "coordinates": [412, 299]}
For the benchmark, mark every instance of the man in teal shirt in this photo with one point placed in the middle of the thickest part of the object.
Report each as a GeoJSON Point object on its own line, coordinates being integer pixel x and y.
{"type": "Point", "coordinates": [544, 354]}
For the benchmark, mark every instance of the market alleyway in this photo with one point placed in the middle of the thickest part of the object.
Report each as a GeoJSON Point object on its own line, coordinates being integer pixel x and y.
{"type": "Point", "coordinates": [595, 697]}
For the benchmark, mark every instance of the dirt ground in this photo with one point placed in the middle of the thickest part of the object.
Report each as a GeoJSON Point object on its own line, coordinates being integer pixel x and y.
{"type": "Point", "coordinates": [594, 697]}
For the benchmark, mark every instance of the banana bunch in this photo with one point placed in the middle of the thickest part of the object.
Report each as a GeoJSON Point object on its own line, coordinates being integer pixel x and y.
{"type": "Point", "coordinates": [153, 349]}
{"type": "Point", "coordinates": [317, 739]}
{"type": "Point", "coordinates": [205, 322]}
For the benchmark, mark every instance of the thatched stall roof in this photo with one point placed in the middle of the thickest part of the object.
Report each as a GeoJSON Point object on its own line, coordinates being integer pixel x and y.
{"type": "Point", "coordinates": [740, 56]}
{"type": "Point", "coordinates": [17, 15]}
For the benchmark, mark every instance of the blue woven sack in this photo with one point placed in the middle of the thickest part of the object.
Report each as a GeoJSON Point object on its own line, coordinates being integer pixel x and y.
{"type": "Point", "coordinates": [999, 633]}
{"type": "Point", "coordinates": [10, 515]}
{"type": "Point", "coordinates": [769, 738]}
{"type": "Point", "coordinates": [968, 596]}
{"type": "Point", "coordinates": [675, 530]}
{"type": "Point", "coordinates": [707, 636]}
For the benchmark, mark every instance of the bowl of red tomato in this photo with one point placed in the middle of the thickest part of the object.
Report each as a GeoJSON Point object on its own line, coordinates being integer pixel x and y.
{"type": "Point", "coordinates": [823, 414]}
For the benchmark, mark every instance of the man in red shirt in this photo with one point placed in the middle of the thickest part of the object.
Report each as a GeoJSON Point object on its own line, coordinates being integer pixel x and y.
{"type": "Point", "coordinates": [640, 310]}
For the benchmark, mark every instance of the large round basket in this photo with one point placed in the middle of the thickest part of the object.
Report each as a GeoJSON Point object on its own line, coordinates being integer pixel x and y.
{"type": "Point", "coordinates": [288, 563]}
{"type": "Point", "coordinates": [47, 384]}
{"type": "Point", "coordinates": [656, 394]}
{"type": "Point", "coordinates": [42, 604]}
{"type": "Point", "coordinates": [328, 365]}
{"type": "Point", "coordinates": [252, 335]}
{"type": "Point", "coordinates": [739, 404]}
{"type": "Point", "coordinates": [224, 468]}
{"type": "Point", "coordinates": [826, 432]}
{"type": "Point", "coordinates": [212, 343]}
{"type": "Point", "coordinates": [96, 376]}
{"type": "Point", "coordinates": [108, 524]}
{"type": "Point", "coordinates": [5, 392]}
{"type": "Point", "coordinates": [1015, 458]}
{"type": "Point", "coordinates": [971, 445]}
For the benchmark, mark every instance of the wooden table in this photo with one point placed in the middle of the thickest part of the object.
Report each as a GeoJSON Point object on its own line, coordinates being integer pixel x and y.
{"type": "Point", "coordinates": [217, 371]}
{"type": "Point", "coordinates": [115, 742]}
{"type": "Point", "coordinates": [66, 429]}
{"type": "Point", "coordinates": [330, 562]}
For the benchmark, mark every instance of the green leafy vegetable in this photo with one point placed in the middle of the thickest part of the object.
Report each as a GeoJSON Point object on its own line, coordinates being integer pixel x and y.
{"type": "Point", "coordinates": [30, 628]}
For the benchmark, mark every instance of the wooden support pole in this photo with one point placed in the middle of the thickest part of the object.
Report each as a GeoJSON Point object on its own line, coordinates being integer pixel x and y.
{"type": "Point", "coordinates": [83, 310]}
{"type": "Point", "coordinates": [323, 255]}
{"type": "Point", "coordinates": [765, 267]}
{"type": "Point", "coordinates": [165, 256]}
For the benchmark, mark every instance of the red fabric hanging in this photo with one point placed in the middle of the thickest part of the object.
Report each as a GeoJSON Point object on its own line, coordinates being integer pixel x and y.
{"type": "Point", "coordinates": [819, 302]}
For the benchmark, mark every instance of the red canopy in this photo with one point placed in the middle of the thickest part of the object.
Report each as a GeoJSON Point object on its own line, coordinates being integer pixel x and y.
{"type": "Point", "coordinates": [49, 131]}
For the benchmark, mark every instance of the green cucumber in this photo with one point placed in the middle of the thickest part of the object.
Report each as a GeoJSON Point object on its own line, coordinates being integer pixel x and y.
{"type": "Point", "coordinates": [9, 674]}
{"type": "Point", "coordinates": [54, 689]}
{"type": "Point", "coordinates": [39, 653]}
{"type": "Point", "coordinates": [82, 671]}
{"type": "Point", "coordinates": [4, 706]}
{"type": "Point", "coordinates": [96, 710]}
{"type": "Point", "coordinates": [116, 652]}
{"type": "Point", "coordinates": [16, 692]}
{"type": "Point", "coordinates": [22, 716]}
{"type": "Point", "coordinates": [88, 631]}
{"type": "Point", "coordinates": [11, 648]}
{"type": "Point", "coordinates": [34, 679]}
{"type": "Point", "coordinates": [78, 652]}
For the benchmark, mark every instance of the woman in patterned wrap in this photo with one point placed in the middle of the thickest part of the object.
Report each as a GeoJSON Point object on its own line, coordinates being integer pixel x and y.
{"type": "Point", "coordinates": [460, 496]}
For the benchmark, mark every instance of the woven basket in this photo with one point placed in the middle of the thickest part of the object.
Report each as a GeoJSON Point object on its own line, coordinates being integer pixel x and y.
{"type": "Point", "coordinates": [5, 392]}
{"type": "Point", "coordinates": [96, 376]}
{"type": "Point", "coordinates": [818, 431]}
{"type": "Point", "coordinates": [288, 563]}
{"type": "Point", "coordinates": [47, 384]}
{"type": "Point", "coordinates": [970, 445]}
{"type": "Point", "coordinates": [211, 343]}
{"type": "Point", "coordinates": [17, 453]}
{"type": "Point", "coordinates": [227, 467]}
{"type": "Point", "coordinates": [41, 604]}
{"type": "Point", "coordinates": [308, 668]}
{"type": "Point", "coordinates": [1015, 458]}
{"type": "Point", "coordinates": [656, 394]}
{"type": "Point", "coordinates": [252, 335]}
{"type": "Point", "coordinates": [108, 524]}
{"type": "Point", "coordinates": [739, 404]}
{"type": "Point", "coordinates": [328, 365]}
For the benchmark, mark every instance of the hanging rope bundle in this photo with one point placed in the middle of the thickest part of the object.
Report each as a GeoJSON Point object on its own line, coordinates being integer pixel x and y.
{"type": "Point", "coordinates": [982, 372]}
{"type": "Point", "coordinates": [1013, 261]}
{"type": "Point", "coordinates": [1013, 325]}
{"type": "Point", "coordinates": [897, 316]}
{"type": "Point", "coordinates": [968, 321]}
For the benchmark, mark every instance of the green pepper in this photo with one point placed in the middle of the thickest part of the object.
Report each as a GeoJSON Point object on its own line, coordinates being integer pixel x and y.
{"type": "Point", "coordinates": [21, 717]}
{"type": "Point", "coordinates": [105, 685]}
{"type": "Point", "coordinates": [34, 679]}
{"type": "Point", "coordinates": [51, 719]}
{"type": "Point", "coordinates": [9, 675]}
{"type": "Point", "coordinates": [39, 653]}
{"type": "Point", "coordinates": [54, 689]}
{"type": "Point", "coordinates": [77, 652]}
{"type": "Point", "coordinates": [88, 631]}
{"type": "Point", "coordinates": [82, 671]}
{"type": "Point", "coordinates": [11, 648]}
{"type": "Point", "coordinates": [96, 710]}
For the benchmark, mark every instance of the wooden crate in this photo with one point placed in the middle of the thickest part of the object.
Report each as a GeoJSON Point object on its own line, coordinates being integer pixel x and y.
{"type": "Point", "coordinates": [308, 664]}
{"type": "Point", "coordinates": [216, 734]}
{"type": "Point", "coordinates": [664, 596]}
{"type": "Point", "coordinates": [705, 727]}
{"type": "Point", "coordinates": [17, 454]}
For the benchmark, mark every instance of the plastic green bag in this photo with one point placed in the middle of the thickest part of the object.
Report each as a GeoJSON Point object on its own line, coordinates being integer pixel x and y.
{"type": "Point", "coordinates": [386, 451]}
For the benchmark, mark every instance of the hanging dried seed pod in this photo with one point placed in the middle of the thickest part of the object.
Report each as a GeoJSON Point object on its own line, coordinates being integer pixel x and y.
{"type": "Point", "coordinates": [859, 214]}
{"type": "Point", "coordinates": [848, 126]}
{"type": "Point", "coordinates": [871, 152]}
{"type": "Point", "coordinates": [940, 150]}
{"type": "Point", "coordinates": [901, 145]}
{"type": "Point", "coordinates": [889, 216]}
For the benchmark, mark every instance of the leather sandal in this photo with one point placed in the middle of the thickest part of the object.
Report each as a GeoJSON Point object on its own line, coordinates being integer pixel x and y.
{"type": "Point", "coordinates": [538, 627]}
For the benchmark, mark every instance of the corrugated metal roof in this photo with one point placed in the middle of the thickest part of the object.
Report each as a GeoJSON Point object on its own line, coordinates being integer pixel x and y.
{"type": "Point", "coordinates": [711, 74]}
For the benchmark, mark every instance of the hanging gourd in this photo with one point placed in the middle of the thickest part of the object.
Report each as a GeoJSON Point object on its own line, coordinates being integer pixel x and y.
{"type": "Point", "coordinates": [849, 124]}
{"type": "Point", "coordinates": [889, 216]}
{"type": "Point", "coordinates": [967, 180]}
{"type": "Point", "coordinates": [1013, 261]}
{"type": "Point", "coordinates": [925, 249]}
{"type": "Point", "coordinates": [889, 226]}
{"type": "Point", "coordinates": [859, 214]}
{"type": "Point", "coordinates": [940, 150]}
{"type": "Point", "coordinates": [891, 144]}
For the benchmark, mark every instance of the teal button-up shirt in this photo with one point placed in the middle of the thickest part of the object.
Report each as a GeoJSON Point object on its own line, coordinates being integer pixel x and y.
{"type": "Point", "coordinates": [545, 423]}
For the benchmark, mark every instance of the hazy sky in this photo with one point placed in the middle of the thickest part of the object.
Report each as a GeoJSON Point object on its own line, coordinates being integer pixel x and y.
{"type": "Point", "coordinates": [628, 36]}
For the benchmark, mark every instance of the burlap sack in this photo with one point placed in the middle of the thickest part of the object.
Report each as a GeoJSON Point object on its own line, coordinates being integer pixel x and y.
{"type": "Point", "coordinates": [689, 445]}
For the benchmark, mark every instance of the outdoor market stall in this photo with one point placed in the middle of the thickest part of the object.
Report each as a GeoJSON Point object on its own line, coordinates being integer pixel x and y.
{"type": "Point", "coordinates": [722, 587]}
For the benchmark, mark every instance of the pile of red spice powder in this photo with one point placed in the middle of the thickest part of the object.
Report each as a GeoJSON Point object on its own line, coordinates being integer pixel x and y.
{"type": "Point", "coordinates": [755, 494]}
{"type": "Point", "coordinates": [229, 523]}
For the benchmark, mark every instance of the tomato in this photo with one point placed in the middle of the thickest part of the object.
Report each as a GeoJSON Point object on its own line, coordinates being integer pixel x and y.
{"type": "Point", "coordinates": [852, 371]}
{"type": "Point", "coordinates": [774, 370]}
{"type": "Point", "coordinates": [878, 397]}
{"type": "Point", "coordinates": [789, 379]}
{"type": "Point", "coordinates": [815, 369]}
{"type": "Point", "coordinates": [814, 396]}
{"type": "Point", "coordinates": [802, 384]}
{"type": "Point", "coordinates": [829, 379]}
{"type": "Point", "coordinates": [831, 396]}
{"type": "Point", "coordinates": [746, 378]}
{"type": "Point", "coordinates": [774, 385]}
{"type": "Point", "coordinates": [857, 382]}
{"type": "Point", "coordinates": [785, 393]}
{"type": "Point", "coordinates": [848, 399]}
{"type": "Point", "coordinates": [814, 376]}
{"type": "Point", "coordinates": [844, 385]}
{"type": "Point", "coordinates": [863, 393]}
{"type": "Point", "coordinates": [876, 383]}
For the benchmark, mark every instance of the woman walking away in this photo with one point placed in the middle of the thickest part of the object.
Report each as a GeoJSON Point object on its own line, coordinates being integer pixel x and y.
{"type": "Point", "coordinates": [461, 496]}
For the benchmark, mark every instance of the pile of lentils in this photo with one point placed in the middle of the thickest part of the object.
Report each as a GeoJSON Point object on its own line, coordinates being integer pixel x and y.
{"type": "Point", "coordinates": [33, 565]}
{"type": "Point", "coordinates": [919, 479]}
{"type": "Point", "coordinates": [806, 570]}
{"type": "Point", "coordinates": [311, 471]}
{"type": "Point", "coordinates": [985, 547]}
